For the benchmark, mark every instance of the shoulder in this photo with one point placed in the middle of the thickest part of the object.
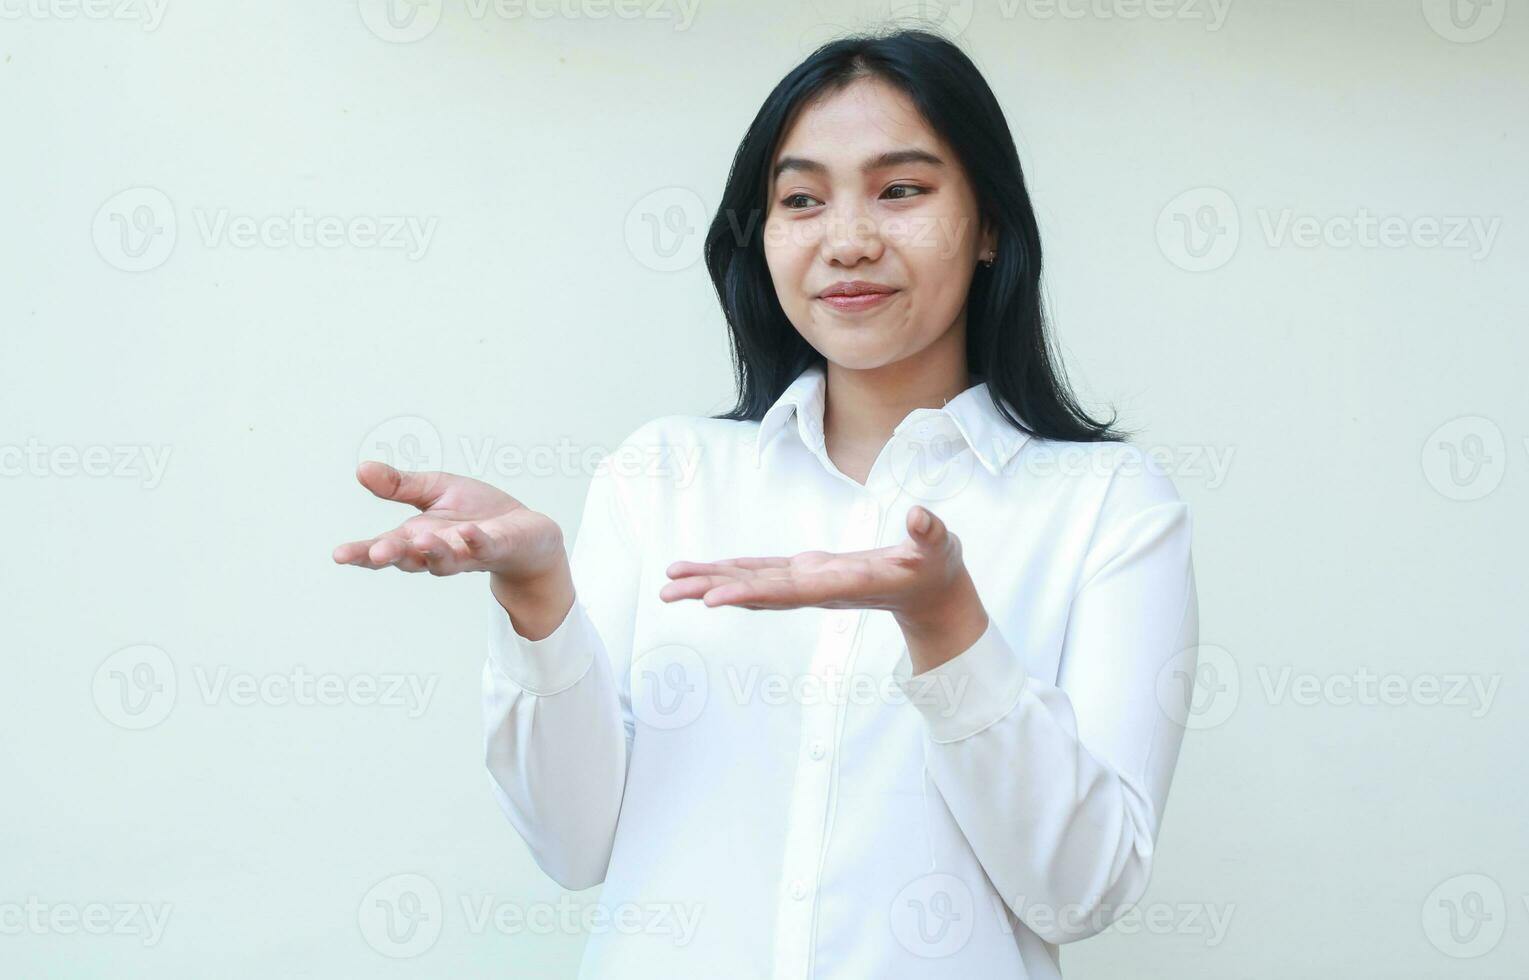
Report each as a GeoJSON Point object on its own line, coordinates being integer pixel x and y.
{"type": "Point", "coordinates": [1113, 479]}
{"type": "Point", "coordinates": [671, 432]}
{"type": "Point", "coordinates": [1140, 480]}
{"type": "Point", "coordinates": [672, 448]}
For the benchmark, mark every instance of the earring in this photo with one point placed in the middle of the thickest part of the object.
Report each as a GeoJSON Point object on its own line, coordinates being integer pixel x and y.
{"type": "Point", "coordinates": [988, 262]}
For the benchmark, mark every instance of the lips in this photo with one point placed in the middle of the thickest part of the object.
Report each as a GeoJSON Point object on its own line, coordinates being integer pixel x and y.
{"type": "Point", "coordinates": [859, 301]}
{"type": "Point", "coordinates": [856, 287]}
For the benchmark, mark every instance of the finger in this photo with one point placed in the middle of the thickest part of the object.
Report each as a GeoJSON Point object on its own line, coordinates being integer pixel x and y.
{"type": "Point", "coordinates": [925, 528]}
{"type": "Point", "coordinates": [782, 593]}
{"type": "Point", "coordinates": [680, 568]}
{"type": "Point", "coordinates": [422, 488]}
{"type": "Point", "coordinates": [359, 554]}
{"type": "Point", "coordinates": [692, 587]}
{"type": "Point", "coordinates": [352, 552]}
{"type": "Point", "coordinates": [440, 556]}
{"type": "Point", "coordinates": [484, 546]}
{"type": "Point", "coordinates": [412, 561]}
{"type": "Point", "coordinates": [475, 541]}
{"type": "Point", "coordinates": [388, 550]}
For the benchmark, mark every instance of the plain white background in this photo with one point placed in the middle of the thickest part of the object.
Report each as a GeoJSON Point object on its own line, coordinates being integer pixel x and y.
{"type": "Point", "coordinates": [505, 282]}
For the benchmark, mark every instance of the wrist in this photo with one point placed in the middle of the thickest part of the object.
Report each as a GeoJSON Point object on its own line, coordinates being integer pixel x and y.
{"type": "Point", "coordinates": [943, 625]}
{"type": "Point", "coordinates": [535, 604]}
{"type": "Point", "coordinates": [936, 610]}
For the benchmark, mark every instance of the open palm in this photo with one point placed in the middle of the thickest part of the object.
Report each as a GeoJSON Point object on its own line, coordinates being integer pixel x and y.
{"type": "Point", "coordinates": [898, 577]}
{"type": "Point", "coordinates": [464, 525]}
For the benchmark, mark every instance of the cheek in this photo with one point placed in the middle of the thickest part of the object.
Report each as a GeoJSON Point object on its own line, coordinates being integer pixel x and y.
{"type": "Point", "coordinates": [787, 260]}
{"type": "Point", "coordinates": [930, 239]}
{"type": "Point", "coordinates": [775, 249]}
{"type": "Point", "coordinates": [939, 284]}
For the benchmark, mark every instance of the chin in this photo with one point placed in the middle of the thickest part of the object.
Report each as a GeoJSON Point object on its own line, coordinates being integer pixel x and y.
{"type": "Point", "coordinates": [856, 355]}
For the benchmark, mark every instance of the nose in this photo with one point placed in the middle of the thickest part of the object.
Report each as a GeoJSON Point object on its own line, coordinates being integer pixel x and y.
{"type": "Point", "coordinates": [850, 236]}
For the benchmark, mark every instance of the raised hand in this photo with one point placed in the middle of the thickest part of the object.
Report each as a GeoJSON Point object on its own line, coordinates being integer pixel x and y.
{"type": "Point", "coordinates": [922, 580]}
{"type": "Point", "coordinates": [898, 577]}
{"type": "Point", "coordinates": [464, 525]}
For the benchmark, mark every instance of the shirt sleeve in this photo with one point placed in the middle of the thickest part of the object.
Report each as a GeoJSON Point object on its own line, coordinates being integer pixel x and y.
{"type": "Point", "coordinates": [1060, 788]}
{"type": "Point", "coordinates": [557, 711]}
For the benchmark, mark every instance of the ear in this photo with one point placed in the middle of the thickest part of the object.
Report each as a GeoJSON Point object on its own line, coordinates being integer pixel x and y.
{"type": "Point", "coordinates": [987, 237]}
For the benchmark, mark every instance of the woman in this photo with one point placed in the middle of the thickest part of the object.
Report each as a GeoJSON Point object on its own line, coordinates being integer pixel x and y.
{"type": "Point", "coordinates": [923, 718]}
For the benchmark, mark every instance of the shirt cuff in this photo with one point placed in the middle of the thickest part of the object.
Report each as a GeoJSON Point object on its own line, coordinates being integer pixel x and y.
{"type": "Point", "coordinates": [968, 692]}
{"type": "Point", "coordinates": [543, 667]}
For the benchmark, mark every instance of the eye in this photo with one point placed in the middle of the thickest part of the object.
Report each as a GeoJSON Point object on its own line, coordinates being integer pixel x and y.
{"type": "Point", "coordinates": [786, 201]}
{"type": "Point", "coordinates": [904, 187]}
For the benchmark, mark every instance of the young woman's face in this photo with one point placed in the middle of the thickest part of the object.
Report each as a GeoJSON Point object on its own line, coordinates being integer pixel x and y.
{"type": "Point", "coordinates": [867, 191]}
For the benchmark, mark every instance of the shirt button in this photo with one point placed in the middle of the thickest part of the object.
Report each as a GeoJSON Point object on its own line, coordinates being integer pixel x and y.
{"type": "Point", "coordinates": [817, 750]}
{"type": "Point", "coordinates": [798, 889]}
{"type": "Point", "coordinates": [841, 622]}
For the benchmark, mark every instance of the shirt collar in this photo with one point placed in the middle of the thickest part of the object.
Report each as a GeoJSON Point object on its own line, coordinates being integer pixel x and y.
{"type": "Point", "coordinates": [991, 437]}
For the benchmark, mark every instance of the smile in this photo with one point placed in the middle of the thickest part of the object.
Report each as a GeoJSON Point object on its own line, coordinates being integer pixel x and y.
{"type": "Point", "coordinates": [854, 304]}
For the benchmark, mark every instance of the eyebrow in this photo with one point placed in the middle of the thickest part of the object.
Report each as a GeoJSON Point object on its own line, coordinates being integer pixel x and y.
{"type": "Point", "coordinates": [892, 158]}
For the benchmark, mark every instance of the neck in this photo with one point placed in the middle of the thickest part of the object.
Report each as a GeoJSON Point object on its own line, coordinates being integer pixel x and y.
{"type": "Point", "coordinates": [864, 405]}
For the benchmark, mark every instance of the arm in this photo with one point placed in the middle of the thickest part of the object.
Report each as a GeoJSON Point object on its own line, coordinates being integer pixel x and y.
{"type": "Point", "coordinates": [556, 709]}
{"type": "Point", "coordinates": [1060, 788]}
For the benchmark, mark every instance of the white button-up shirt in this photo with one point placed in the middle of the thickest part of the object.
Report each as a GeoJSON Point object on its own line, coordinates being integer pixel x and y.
{"type": "Point", "coordinates": [772, 793]}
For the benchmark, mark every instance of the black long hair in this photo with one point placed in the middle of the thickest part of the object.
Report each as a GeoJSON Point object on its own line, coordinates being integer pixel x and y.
{"type": "Point", "coordinates": [1007, 342]}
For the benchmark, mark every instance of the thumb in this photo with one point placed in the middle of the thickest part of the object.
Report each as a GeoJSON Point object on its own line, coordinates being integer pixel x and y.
{"type": "Point", "coordinates": [422, 488]}
{"type": "Point", "coordinates": [924, 527]}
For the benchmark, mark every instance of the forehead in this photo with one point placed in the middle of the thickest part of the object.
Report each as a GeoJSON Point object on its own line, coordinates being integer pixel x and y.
{"type": "Point", "coordinates": [866, 117]}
